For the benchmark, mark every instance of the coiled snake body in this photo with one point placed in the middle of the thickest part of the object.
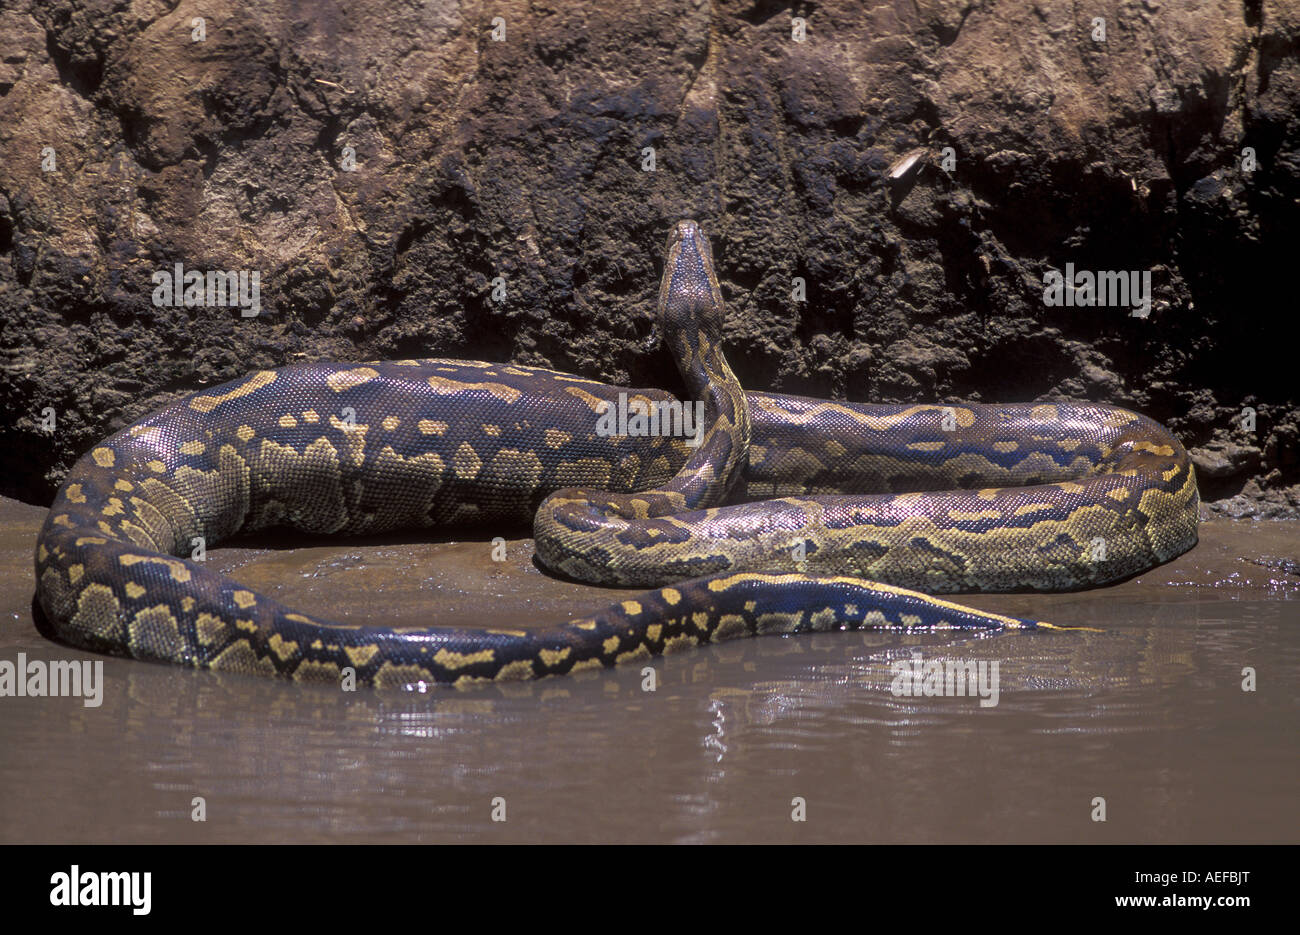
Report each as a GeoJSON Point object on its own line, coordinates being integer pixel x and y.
{"type": "Point", "coordinates": [1049, 497]}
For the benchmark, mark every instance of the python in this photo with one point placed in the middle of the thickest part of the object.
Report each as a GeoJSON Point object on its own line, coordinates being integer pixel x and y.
{"type": "Point", "coordinates": [884, 501]}
{"type": "Point", "coordinates": [664, 417]}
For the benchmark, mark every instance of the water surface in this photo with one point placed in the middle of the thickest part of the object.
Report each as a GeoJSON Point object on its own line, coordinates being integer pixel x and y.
{"type": "Point", "coordinates": [1149, 714]}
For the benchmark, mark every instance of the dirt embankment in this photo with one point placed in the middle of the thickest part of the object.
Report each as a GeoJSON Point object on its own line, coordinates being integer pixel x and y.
{"type": "Point", "coordinates": [379, 169]}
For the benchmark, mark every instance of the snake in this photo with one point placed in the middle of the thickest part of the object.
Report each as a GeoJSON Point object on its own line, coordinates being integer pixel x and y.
{"type": "Point", "coordinates": [770, 514]}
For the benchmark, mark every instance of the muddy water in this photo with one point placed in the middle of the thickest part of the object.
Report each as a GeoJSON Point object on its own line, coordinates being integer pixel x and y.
{"type": "Point", "coordinates": [1149, 714]}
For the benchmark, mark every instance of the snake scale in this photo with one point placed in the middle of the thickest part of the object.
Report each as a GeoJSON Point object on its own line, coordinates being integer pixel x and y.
{"type": "Point", "coordinates": [784, 514]}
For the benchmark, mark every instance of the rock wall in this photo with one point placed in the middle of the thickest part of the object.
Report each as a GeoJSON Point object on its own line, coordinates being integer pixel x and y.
{"type": "Point", "coordinates": [379, 165]}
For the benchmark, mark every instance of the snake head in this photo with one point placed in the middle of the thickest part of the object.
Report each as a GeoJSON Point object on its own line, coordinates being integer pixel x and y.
{"type": "Point", "coordinates": [690, 301]}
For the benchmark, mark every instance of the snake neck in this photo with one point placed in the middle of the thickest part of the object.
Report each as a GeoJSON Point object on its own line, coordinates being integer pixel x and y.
{"type": "Point", "coordinates": [692, 316]}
